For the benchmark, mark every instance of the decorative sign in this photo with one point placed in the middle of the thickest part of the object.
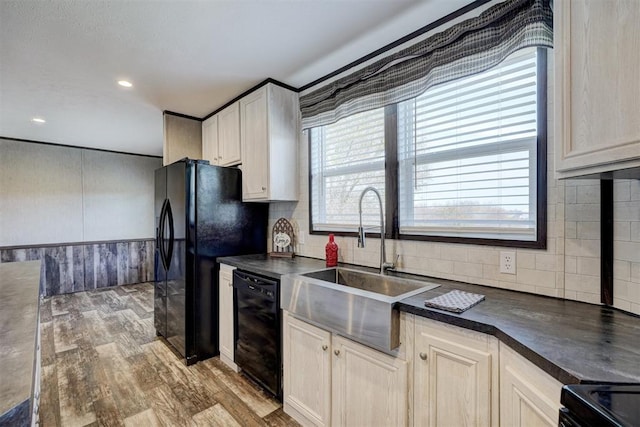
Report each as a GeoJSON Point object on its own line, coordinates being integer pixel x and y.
{"type": "Point", "coordinates": [282, 239]}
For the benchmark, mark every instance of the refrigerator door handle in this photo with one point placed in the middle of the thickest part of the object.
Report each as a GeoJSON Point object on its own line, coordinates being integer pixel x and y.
{"type": "Point", "coordinates": [158, 230]}
{"type": "Point", "coordinates": [158, 235]}
{"type": "Point", "coordinates": [161, 230]}
{"type": "Point", "coordinates": [169, 213]}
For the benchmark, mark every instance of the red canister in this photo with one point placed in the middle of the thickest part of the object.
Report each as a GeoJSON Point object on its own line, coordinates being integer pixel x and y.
{"type": "Point", "coordinates": [331, 252]}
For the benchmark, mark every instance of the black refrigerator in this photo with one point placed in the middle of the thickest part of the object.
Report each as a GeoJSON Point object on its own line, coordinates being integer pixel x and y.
{"type": "Point", "coordinates": [199, 216]}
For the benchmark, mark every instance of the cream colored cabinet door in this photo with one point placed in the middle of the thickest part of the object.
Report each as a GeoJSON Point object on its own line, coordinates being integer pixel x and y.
{"type": "Point", "coordinates": [528, 395]}
{"type": "Point", "coordinates": [254, 131]}
{"type": "Point", "coordinates": [369, 387]}
{"type": "Point", "coordinates": [229, 135]}
{"type": "Point", "coordinates": [182, 137]}
{"type": "Point", "coordinates": [307, 372]}
{"type": "Point", "coordinates": [225, 287]}
{"type": "Point", "coordinates": [269, 135]}
{"type": "Point", "coordinates": [597, 93]}
{"type": "Point", "coordinates": [454, 375]}
{"type": "Point", "coordinates": [210, 140]}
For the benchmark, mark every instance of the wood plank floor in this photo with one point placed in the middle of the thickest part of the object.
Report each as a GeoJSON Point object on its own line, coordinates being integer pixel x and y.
{"type": "Point", "coordinates": [102, 365]}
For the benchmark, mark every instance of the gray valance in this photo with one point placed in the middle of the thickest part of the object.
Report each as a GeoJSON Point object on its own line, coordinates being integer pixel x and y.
{"type": "Point", "coordinates": [469, 47]}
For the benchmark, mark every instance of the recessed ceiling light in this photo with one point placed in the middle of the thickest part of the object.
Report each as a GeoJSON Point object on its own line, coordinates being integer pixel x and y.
{"type": "Point", "coordinates": [38, 120]}
{"type": "Point", "coordinates": [125, 83]}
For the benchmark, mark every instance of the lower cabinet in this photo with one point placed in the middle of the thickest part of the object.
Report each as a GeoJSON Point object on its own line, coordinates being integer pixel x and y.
{"type": "Point", "coordinates": [331, 380]}
{"type": "Point", "coordinates": [528, 395]}
{"type": "Point", "coordinates": [225, 309]}
{"type": "Point", "coordinates": [455, 377]}
{"type": "Point", "coordinates": [307, 372]}
{"type": "Point", "coordinates": [452, 377]}
{"type": "Point", "coordinates": [369, 387]}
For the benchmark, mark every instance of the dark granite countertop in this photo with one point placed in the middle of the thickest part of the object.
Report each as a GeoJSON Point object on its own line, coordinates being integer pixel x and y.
{"type": "Point", "coordinates": [19, 292]}
{"type": "Point", "coordinates": [273, 267]}
{"type": "Point", "coordinates": [574, 342]}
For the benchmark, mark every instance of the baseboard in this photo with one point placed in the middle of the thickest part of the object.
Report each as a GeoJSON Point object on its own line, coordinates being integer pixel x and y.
{"type": "Point", "coordinates": [229, 363]}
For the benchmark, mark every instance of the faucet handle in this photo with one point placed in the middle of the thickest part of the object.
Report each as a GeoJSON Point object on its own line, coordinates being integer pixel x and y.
{"type": "Point", "coordinates": [361, 237]}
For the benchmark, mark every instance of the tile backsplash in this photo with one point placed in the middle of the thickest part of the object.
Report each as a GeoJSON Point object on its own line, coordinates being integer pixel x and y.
{"type": "Point", "coordinates": [582, 240]}
{"type": "Point", "coordinates": [626, 245]}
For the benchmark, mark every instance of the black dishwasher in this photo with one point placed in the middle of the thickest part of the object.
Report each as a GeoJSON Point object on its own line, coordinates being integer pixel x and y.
{"type": "Point", "coordinates": [258, 328]}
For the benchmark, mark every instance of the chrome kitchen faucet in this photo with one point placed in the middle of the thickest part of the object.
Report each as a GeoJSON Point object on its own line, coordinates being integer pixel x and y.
{"type": "Point", "coordinates": [383, 264]}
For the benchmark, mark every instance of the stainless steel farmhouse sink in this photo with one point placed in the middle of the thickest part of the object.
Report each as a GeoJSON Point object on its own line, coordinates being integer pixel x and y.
{"type": "Point", "coordinates": [353, 303]}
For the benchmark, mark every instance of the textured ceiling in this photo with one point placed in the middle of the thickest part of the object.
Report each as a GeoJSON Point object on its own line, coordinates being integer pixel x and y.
{"type": "Point", "coordinates": [60, 60]}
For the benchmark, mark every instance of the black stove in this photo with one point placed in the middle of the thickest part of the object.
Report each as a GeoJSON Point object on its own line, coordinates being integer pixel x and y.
{"type": "Point", "coordinates": [600, 405]}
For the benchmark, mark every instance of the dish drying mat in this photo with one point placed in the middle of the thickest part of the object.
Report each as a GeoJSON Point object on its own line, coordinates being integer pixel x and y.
{"type": "Point", "coordinates": [456, 301]}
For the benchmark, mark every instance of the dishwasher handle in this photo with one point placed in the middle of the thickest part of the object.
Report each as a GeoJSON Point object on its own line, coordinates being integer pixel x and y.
{"type": "Point", "coordinates": [247, 282]}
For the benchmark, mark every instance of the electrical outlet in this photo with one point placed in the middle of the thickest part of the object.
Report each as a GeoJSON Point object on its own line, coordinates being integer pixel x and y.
{"type": "Point", "coordinates": [508, 262]}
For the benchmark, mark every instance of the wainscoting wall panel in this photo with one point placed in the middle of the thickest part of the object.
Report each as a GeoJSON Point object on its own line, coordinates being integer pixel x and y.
{"type": "Point", "coordinates": [80, 267]}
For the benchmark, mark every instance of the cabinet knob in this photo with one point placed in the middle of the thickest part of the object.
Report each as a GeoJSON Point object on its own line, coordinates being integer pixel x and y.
{"type": "Point", "coordinates": [423, 356]}
{"type": "Point", "coordinates": [325, 347]}
{"type": "Point", "coordinates": [336, 352]}
{"type": "Point", "coordinates": [264, 188]}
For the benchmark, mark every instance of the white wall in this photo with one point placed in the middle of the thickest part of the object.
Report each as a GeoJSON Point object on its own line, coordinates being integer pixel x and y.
{"type": "Point", "coordinates": [568, 268]}
{"type": "Point", "coordinates": [40, 193]}
{"type": "Point", "coordinates": [118, 196]}
{"type": "Point", "coordinates": [53, 194]}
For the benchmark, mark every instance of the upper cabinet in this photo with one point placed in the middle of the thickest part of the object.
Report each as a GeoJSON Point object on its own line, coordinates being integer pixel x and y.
{"type": "Point", "coordinates": [229, 136]}
{"type": "Point", "coordinates": [210, 140]}
{"type": "Point", "coordinates": [221, 137]}
{"type": "Point", "coordinates": [182, 138]}
{"type": "Point", "coordinates": [597, 93]}
{"type": "Point", "coordinates": [269, 128]}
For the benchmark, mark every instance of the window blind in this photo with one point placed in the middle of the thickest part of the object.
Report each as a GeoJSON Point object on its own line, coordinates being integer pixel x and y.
{"type": "Point", "coordinates": [467, 155]}
{"type": "Point", "coordinates": [469, 47]}
{"type": "Point", "coordinates": [346, 157]}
